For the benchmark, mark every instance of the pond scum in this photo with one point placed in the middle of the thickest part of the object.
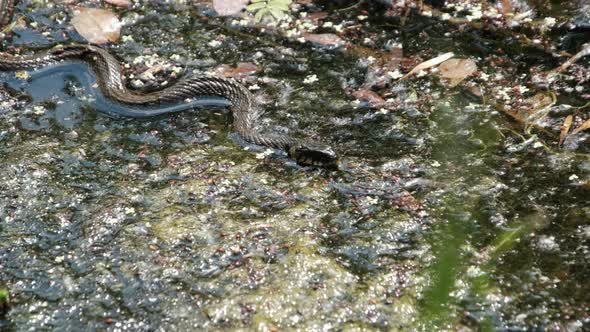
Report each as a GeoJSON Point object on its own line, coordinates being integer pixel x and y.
{"type": "Point", "coordinates": [460, 203]}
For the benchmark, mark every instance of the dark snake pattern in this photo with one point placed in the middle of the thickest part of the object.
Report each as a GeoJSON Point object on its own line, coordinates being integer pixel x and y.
{"type": "Point", "coordinates": [111, 83]}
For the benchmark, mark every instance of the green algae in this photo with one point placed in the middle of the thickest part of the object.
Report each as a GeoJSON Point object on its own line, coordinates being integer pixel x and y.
{"type": "Point", "coordinates": [199, 232]}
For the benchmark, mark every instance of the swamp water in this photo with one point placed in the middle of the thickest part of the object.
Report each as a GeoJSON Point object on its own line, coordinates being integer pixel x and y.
{"type": "Point", "coordinates": [444, 213]}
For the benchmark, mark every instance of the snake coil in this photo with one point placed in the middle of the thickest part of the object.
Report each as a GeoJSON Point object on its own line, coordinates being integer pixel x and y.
{"type": "Point", "coordinates": [111, 83]}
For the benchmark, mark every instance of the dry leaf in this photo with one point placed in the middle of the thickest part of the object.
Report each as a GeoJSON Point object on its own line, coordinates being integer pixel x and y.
{"type": "Point", "coordinates": [538, 106]}
{"type": "Point", "coordinates": [506, 9]}
{"type": "Point", "coordinates": [565, 128]}
{"type": "Point", "coordinates": [408, 202]}
{"type": "Point", "coordinates": [243, 69]}
{"type": "Point", "coordinates": [324, 39]}
{"type": "Point", "coordinates": [369, 96]}
{"type": "Point", "coordinates": [538, 101]}
{"type": "Point", "coordinates": [317, 16]}
{"type": "Point", "coordinates": [456, 70]}
{"type": "Point", "coordinates": [429, 63]}
{"type": "Point", "coordinates": [120, 3]}
{"type": "Point", "coordinates": [378, 71]}
{"type": "Point", "coordinates": [148, 74]}
{"type": "Point", "coordinates": [98, 26]}
{"type": "Point", "coordinates": [584, 126]}
{"type": "Point", "coordinates": [229, 7]}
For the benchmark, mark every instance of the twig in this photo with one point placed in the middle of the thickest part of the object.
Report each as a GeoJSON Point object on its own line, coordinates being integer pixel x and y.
{"type": "Point", "coordinates": [350, 7]}
{"type": "Point", "coordinates": [584, 52]}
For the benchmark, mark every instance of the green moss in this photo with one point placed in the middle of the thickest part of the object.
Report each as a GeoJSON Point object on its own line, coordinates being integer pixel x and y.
{"type": "Point", "coordinates": [177, 222]}
{"type": "Point", "coordinates": [4, 299]}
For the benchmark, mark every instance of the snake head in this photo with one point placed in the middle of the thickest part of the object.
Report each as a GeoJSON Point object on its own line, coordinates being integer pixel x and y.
{"type": "Point", "coordinates": [309, 154]}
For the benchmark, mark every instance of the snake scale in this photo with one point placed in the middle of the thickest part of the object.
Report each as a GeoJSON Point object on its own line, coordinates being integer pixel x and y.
{"type": "Point", "coordinates": [112, 85]}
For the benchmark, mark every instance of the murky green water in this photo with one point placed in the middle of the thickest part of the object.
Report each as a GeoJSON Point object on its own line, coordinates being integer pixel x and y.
{"type": "Point", "coordinates": [444, 214]}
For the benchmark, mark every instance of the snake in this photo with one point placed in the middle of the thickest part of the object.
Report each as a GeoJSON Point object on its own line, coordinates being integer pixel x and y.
{"type": "Point", "coordinates": [178, 96]}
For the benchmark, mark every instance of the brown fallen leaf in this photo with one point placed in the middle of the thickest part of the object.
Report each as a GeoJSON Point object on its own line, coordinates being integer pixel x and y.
{"type": "Point", "coordinates": [385, 63]}
{"type": "Point", "coordinates": [242, 69]}
{"type": "Point", "coordinates": [429, 63]}
{"type": "Point", "coordinates": [456, 70]}
{"type": "Point", "coordinates": [583, 126]}
{"type": "Point", "coordinates": [408, 202]}
{"type": "Point", "coordinates": [324, 39]}
{"type": "Point", "coordinates": [565, 128]}
{"type": "Point", "coordinates": [506, 8]}
{"type": "Point", "coordinates": [149, 73]}
{"type": "Point", "coordinates": [538, 101]}
{"type": "Point", "coordinates": [120, 3]}
{"type": "Point", "coordinates": [317, 16]}
{"type": "Point", "coordinates": [369, 96]}
{"type": "Point", "coordinates": [538, 106]}
{"type": "Point", "coordinates": [97, 26]}
{"type": "Point", "coordinates": [229, 7]}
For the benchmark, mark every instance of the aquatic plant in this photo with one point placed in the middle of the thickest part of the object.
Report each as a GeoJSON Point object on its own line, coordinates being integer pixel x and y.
{"type": "Point", "coordinates": [276, 9]}
{"type": "Point", "coordinates": [4, 300]}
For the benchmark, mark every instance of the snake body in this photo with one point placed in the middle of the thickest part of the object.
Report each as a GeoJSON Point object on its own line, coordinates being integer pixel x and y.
{"type": "Point", "coordinates": [111, 83]}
